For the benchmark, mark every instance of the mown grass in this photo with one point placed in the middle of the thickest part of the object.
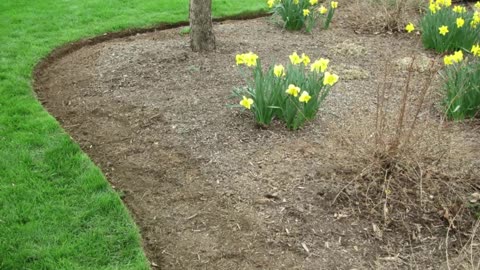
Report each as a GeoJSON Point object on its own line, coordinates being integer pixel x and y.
{"type": "Point", "coordinates": [57, 211]}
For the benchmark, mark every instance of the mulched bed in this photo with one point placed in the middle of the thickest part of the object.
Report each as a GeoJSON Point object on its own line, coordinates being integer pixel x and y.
{"type": "Point", "coordinates": [209, 190]}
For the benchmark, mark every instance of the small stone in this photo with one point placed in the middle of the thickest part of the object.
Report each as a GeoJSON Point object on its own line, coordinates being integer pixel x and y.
{"type": "Point", "coordinates": [350, 72]}
{"type": "Point", "coordinates": [422, 63]}
{"type": "Point", "coordinates": [350, 49]}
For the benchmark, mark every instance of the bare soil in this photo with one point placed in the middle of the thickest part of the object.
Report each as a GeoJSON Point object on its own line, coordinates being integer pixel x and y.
{"type": "Point", "coordinates": [209, 190]}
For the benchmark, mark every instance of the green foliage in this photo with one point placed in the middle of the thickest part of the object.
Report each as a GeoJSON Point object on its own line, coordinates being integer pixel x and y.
{"type": "Point", "coordinates": [462, 25]}
{"type": "Point", "coordinates": [475, 208]}
{"type": "Point", "coordinates": [297, 14]}
{"type": "Point", "coordinates": [330, 13]}
{"type": "Point", "coordinates": [462, 89]}
{"type": "Point", "coordinates": [185, 30]}
{"type": "Point", "coordinates": [289, 94]}
{"type": "Point", "coordinates": [57, 211]}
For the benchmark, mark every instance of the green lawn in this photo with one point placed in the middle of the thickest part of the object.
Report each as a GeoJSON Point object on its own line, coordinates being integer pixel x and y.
{"type": "Point", "coordinates": [57, 211]}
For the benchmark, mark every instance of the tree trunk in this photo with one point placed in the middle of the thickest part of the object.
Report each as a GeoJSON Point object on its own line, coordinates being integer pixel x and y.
{"type": "Point", "coordinates": [201, 33]}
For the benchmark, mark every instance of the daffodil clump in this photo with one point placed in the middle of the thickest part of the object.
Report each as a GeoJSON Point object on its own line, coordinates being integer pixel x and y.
{"type": "Point", "coordinates": [462, 84]}
{"type": "Point", "coordinates": [297, 14]}
{"type": "Point", "coordinates": [291, 93]}
{"type": "Point", "coordinates": [446, 27]}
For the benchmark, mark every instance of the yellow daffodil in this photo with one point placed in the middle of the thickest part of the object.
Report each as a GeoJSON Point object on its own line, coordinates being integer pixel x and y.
{"type": "Point", "coordinates": [460, 22]}
{"type": "Point", "coordinates": [304, 97]}
{"type": "Point", "coordinates": [447, 60]}
{"type": "Point", "coordinates": [433, 8]}
{"type": "Point", "coordinates": [320, 65]}
{"type": "Point", "coordinates": [270, 3]}
{"type": "Point", "coordinates": [329, 79]}
{"type": "Point", "coordinates": [445, 3]}
{"type": "Point", "coordinates": [246, 102]}
{"type": "Point", "coordinates": [295, 2]}
{"type": "Point", "coordinates": [293, 90]}
{"type": "Point", "coordinates": [476, 50]}
{"type": "Point", "coordinates": [322, 9]}
{"type": "Point", "coordinates": [305, 59]}
{"type": "Point", "coordinates": [334, 4]}
{"type": "Point", "coordinates": [240, 59]}
{"type": "Point", "coordinates": [306, 12]}
{"type": "Point", "coordinates": [477, 4]}
{"type": "Point", "coordinates": [475, 20]}
{"type": "Point", "coordinates": [457, 57]}
{"type": "Point", "coordinates": [313, 2]}
{"type": "Point", "coordinates": [295, 59]}
{"type": "Point", "coordinates": [279, 70]}
{"type": "Point", "coordinates": [473, 24]}
{"type": "Point", "coordinates": [410, 27]}
{"type": "Point", "coordinates": [249, 59]}
{"type": "Point", "coordinates": [459, 9]}
{"type": "Point", "coordinates": [443, 30]}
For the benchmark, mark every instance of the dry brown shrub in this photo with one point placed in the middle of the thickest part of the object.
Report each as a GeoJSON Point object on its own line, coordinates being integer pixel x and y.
{"type": "Point", "coordinates": [411, 172]}
{"type": "Point", "coordinates": [383, 15]}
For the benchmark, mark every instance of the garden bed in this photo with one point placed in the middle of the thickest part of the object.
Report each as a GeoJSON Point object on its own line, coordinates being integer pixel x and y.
{"type": "Point", "coordinates": [210, 190]}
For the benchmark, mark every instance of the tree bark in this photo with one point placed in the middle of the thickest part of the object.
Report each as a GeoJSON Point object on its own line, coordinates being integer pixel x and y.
{"type": "Point", "coordinates": [201, 32]}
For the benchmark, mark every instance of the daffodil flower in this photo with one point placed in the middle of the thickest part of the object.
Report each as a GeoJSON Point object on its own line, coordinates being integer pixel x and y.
{"type": "Point", "coordinates": [329, 79]}
{"type": "Point", "coordinates": [477, 5]}
{"type": "Point", "coordinates": [434, 8]}
{"type": "Point", "coordinates": [270, 3]}
{"type": "Point", "coordinates": [240, 59]}
{"type": "Point", "coordinates": [306, 12]}
{"type": "Point", "coordinates": [476, 50]}
{"type": "Point", "coordinates": [476, 17]}
{"type": "Point", "coordinates": [445, 3]}
{"type": "Point", "coordinates": [304, 97]}
{"type": "Point", "coordinates": [475, 20]}
{"type": "Point", "coordinates": [410, 27]}
{"type": "Point", "coordinates": [305, 59]}
{"type": "Point", "coordinates": [447, 60]}
{"type": "Point", "coordinates": [460, 22]}
{"type": "Point", "coordinates": [293, 90]}
{"type": "Point", "coordinates": [295, 59]}
{"type": "Point", "coordinates": [443, 30]}
{"type": "Point", "coordinates": [313, 2]}
{"type": "Point", "coordinates": [322, 9]}
{"type": "Point", "coordinates": [246, 102]}
{"type": "Point", "coordinates": [320, 65]}
{"type": "Point", "coordinates": [459, 9]}
{"type": "Point", "coordinates": [279, 70]}
{"type": "Point", "coordinates": [457, 56]}
{"type": "Point", "coordinates": [334, 4]}
{"type": "Point", "coordinates": [251, 59]}
{"type": "Point", "coordinates": [295, 2]}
